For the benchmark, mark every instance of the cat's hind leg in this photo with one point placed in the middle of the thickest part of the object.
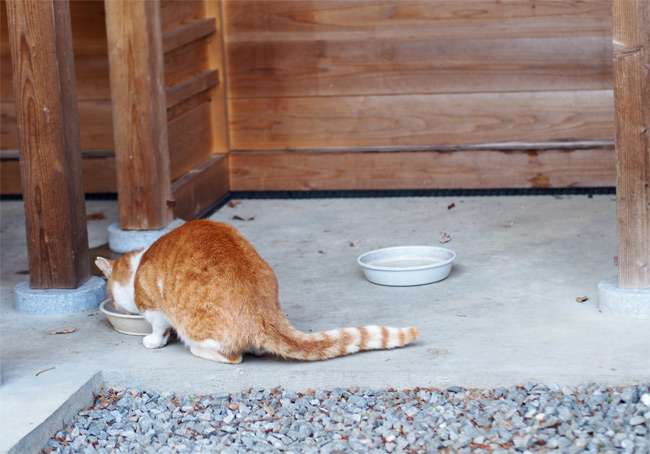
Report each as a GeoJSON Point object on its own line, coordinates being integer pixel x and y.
{"type": "Point", "coordinates": [210, 349]}
{"type": "Point", "coordinates": [161, 328]}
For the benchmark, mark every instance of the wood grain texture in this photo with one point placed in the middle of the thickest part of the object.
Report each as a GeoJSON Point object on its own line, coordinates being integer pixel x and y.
{"type": "Point", "coordinates": [50, 150]}
{"type": "Point", "coordinates": [632, 100]}
{"type": "Point", "coordinates": [190, 139]}
{"type": "Point", "coordinates": [248, 20]}
{"type": "Point", "coordinates": [335, 48]}
{"type": "Point", "coordinates": [414, 120]}
{"type": "Point", "coordinates": [306, 74]}
{"type": "Point", "coordinates": [200, 187]}
{"type": "Point", "coordinates": [462, 168]}
{"type": "Point", "coordinates": [98, 173]}
{"type": "Point", "coordinates": [91, 55]}
{"type": "Point", "coordinates": [191, 87]}
{"type": "Point", "coordinates": [139, 115]}
{"type": "Point", "coordinates": [95, 125]}
{"type": "Point", "coordinates": [217, 61]}
{"type": "Point", "coordinates": [417, 65]}
{"type": "Point", "coordinates": [185, 62]}
{"type": "Point", "coordinates": [187, 33]}
{"type": "Point", "coordinates": [174, 14]}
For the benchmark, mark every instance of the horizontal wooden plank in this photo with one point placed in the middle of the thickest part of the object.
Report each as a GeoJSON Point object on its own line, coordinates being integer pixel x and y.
{"type": "Point", "coordinates": [98, 174]}
{"type": "Point", "coordinates": [88, 24]}
{"type": "Point", "coordinates": [371, 66]}
{"type": "Point", "coordinates": [95, 125]}
{"type": "Point", "coordinates": [190, 140]}
{"type": "Point", "coordinates": [91, 73]}
{"type": "Point", "coordinates": [420, 120]}
{"type": "Point", "coordinates": [191, 87]}
{"type": "Point", "coordinates": [176, 13]}
{"type": "Point", "coordinates": [183, 63]}
{"type": "Point", "coordinates": [470, 168]}
{"type": "Point", "coordinates": [297, 48]}
{"type": "Point", "coordinates": [200, 187]}
{"type": "Point", "coordinates": [187, 33]}
{"type": "Point", "coordinates": [306, 20]}
{"type": "Point", "coordinates": [90, 52]}
{"type": "Point", "coordinates": [8, 125]}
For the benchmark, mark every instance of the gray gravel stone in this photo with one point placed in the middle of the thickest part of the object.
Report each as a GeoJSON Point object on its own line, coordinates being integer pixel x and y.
{"type": "Point", "coordinates": [532, 417]}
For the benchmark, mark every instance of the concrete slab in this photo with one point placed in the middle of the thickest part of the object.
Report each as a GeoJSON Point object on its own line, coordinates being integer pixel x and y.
{"type": "Point", "coordinates": [507, 312]}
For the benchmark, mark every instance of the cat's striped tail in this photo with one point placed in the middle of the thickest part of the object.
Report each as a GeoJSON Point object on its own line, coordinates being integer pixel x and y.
{"type": "Point", "coordinates": [288, 342]}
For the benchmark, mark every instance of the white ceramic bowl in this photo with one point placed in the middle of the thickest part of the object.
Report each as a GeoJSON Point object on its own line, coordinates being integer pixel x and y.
{"type": "Point", "coordinates": [407, 265]}
{"type": "Point", "coordinates": [124, 323]}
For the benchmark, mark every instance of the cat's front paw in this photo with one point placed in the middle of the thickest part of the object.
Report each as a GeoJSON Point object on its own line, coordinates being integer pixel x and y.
{"type": "Point", "coordinates": [153, 341]}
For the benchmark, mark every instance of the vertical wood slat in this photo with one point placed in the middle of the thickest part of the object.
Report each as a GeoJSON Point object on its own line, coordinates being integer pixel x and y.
{"type": "Point", "coordinates": [50, 145]}
{"type": "Point", "coordinates": [216, 54]}
{"type": "Point", "coordinates": [139, 113]}
{"type": "Point", "coordinates": [631, 26]}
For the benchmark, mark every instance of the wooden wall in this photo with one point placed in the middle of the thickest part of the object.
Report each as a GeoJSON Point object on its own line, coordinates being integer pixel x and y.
{"type": "Point", "coordinates": [377, 94]}
{"type": "Point", "coordinates": [195, 101]}
{"type": "Point", "coordinates": [93, 94]}
{"type": "Point", "coordinates": [362, 94]}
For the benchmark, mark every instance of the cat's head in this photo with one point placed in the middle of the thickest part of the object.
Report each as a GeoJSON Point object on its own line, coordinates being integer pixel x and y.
{"type": "Point", "coordinates": [121, 277]}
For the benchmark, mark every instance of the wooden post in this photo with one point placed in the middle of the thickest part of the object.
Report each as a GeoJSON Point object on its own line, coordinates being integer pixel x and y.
{"type": "Point", "coordinates": [50, 151]}
{"type": "Point", "coordinates": [139, 113]}
{"type": "Point", "coordinates": [631, 28]}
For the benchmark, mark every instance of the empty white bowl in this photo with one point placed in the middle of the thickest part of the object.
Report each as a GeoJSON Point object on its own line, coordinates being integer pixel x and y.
{"type": "Point", "coordinates": [124, 323]}
{"type": "Point", "coordinates": [407, 265]}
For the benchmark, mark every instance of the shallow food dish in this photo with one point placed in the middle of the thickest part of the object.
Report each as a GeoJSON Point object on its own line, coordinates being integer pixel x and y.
{"type": "Point", "coordinates": [123, 322]}
{"type": "Point", "coordinates": [407, 265]}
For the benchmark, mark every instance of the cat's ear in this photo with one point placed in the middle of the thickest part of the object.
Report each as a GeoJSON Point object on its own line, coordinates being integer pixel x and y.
{"type": "Point", "coordinates": [105, 266]}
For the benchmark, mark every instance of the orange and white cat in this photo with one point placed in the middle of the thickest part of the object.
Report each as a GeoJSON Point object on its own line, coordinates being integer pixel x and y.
{"type": "Point", "coordinates": [205, 280]}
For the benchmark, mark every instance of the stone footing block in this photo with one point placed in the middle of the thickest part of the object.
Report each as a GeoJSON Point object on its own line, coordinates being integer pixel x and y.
{"type": "Point", "coordinates": [56, 301]}
{"type": "Point", "coordinates": [123, 241]}
{"type": "Point", "coordinates": [624, 302]}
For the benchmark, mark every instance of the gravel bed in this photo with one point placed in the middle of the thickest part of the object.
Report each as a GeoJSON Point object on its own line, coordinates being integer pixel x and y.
{"type": "Point", "coordinates": [530, 417]}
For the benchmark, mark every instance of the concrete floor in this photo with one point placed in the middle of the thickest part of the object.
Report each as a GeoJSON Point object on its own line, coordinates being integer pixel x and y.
{"type": "Point", "coordinates": [507, 313]}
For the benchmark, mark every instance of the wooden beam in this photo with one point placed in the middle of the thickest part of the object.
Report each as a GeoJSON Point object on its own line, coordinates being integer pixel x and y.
{"type": "Point", "coordinates": [631, 27]}
{"type": "Point", "coordinates": [98, 172]}
{"type": "Point", "coordinates": [202, 186]}
{"type": "Point", "coordinates": [139, 113]}
{"type": "Point", "coordinates": [217, 60]}
{"type": "Point", "coordinates": [188, 33]}
{"type": "Point", "coordinates": [425, 169]}
{"type": "Point", "coordinates": [50, 151]}
{"type": "Point", "coordinates": [420, 119]}
{"type": "Point", "coordinates": [192, 86]}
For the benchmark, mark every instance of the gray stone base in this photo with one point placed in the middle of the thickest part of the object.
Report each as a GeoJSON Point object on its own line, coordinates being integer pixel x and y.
{"type": "Point", "coordinates": [626, 302]}
{"type": "Point", "coordinates": [56, 301]}
{"type": "Point", "coordinates": [123, 241]}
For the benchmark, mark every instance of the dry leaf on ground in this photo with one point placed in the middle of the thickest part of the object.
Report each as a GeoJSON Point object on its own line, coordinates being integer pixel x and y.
{"type": "Point", "coordinates": [95, 216]}
{"type": "Point", "coordinates": [45, 370]}
{"type": "Point", "coordinates": [581, 299]}
{"type": "Point", "coordinates": [238, 217]}
{"type": "Point", "coordinates": [269, 411]}
{"type": "Point", "coordinates": [233, 203]}
{"type": "Point", "coordinates": [62, 331]}
{"type": "Point", "coordinates": [446, 238]}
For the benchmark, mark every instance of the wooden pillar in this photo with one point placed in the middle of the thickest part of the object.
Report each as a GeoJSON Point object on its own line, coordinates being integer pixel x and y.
{"type": "Point", "coordinates": [631, 28]}
{"type": "Point", "coordinates": [139, 113]}
{"type": "Point", "coordinates": [50, 151]}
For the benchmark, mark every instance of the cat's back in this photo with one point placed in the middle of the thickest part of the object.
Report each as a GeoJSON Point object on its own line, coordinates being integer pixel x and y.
{"type": "Point", "coordinates": [203, 245]}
